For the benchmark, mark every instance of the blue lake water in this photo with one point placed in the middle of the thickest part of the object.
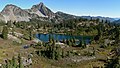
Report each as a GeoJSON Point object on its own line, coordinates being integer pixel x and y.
{"type": "Point", "coordinates": [60, 37]}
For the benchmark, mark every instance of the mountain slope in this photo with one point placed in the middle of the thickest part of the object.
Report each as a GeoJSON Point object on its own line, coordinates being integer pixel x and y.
{"type": "Point", "coordinates": [117, 21]}
{"type": "Point", "coordinates": [41, 10]}
{"type": "Point", "coordinates": [69, 16]}
{"type": "Point", "coordinates": [65, 15]}
{"type": "Point", "coordinates": [101, 18]}
{"type": "Point", "coordinates": [1, 17]}
{"type": "Point", "coordinates": [14, 13]}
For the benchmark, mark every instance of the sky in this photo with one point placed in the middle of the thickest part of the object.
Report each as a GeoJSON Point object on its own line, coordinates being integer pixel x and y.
{"type": "Point", "coordinates": [105, 8]}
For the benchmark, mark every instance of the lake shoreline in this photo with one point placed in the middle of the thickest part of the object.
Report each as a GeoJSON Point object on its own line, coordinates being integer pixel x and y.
{"type": "Point", "coordinates": [61, 37]}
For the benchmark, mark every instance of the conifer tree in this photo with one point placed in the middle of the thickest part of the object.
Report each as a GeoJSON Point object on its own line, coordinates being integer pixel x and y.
{"type": "Point", "coordinates": [20, 61]}
{"type": "Point", "coordinates": [5, 32]}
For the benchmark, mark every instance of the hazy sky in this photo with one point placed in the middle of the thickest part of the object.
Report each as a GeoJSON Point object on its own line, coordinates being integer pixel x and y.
{"type": "Point", "coordinates": [107, 8]}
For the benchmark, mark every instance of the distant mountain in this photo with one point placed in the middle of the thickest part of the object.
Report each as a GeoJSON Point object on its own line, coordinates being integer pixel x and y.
{"type": "Point", "coordinates": [117, 21]}
{"type": "Point", "coordinates": [116, 18]}
{"type": "Point", "coordinates": [39, 11]}
{"type": "Point", "coordinates": [101, 18]}
{"type": "Point", "coordinates": [69, 16]}
{"type": "Point", "coordinates": [65, 15]}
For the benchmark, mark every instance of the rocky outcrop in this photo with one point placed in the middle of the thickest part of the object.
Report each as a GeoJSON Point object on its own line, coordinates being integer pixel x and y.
{"type": "Point", "coordinates": [41, 10]}
{"type": "Point", "coordinates": [14, 13]}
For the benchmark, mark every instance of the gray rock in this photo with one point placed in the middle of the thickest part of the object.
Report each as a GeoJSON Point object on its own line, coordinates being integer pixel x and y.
{"type": "Point", "coordinates": [1, 17]}
{"type": "Point", "coordinates": [41, 10]}
{"type": "Point", "coordinates": [14, 13]}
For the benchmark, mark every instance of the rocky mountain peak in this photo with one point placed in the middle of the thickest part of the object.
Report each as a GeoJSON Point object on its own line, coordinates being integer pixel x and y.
{"type": "Point", "coordinates": [10, 5]}
{"type": "Point", "coordinates": [41, 4]}
{"type": "Point", "coordinates": [41, 10]}
{"type": "Point", "coordinates": [14, 13]}
{"type": "Point", "coordinates": [11, 9]}
{"type": "Point", "coordinates": [37, 6]}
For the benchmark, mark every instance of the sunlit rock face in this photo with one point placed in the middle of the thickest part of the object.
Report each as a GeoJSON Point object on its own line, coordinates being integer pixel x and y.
{"type": "Point", "coordinates": [41, 10]}
{"type": "Point", "coordinates": [14, 13]}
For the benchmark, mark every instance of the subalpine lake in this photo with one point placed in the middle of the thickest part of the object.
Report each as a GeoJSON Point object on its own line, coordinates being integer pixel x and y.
{"type": "Point", "coordinates": [60, 37]}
